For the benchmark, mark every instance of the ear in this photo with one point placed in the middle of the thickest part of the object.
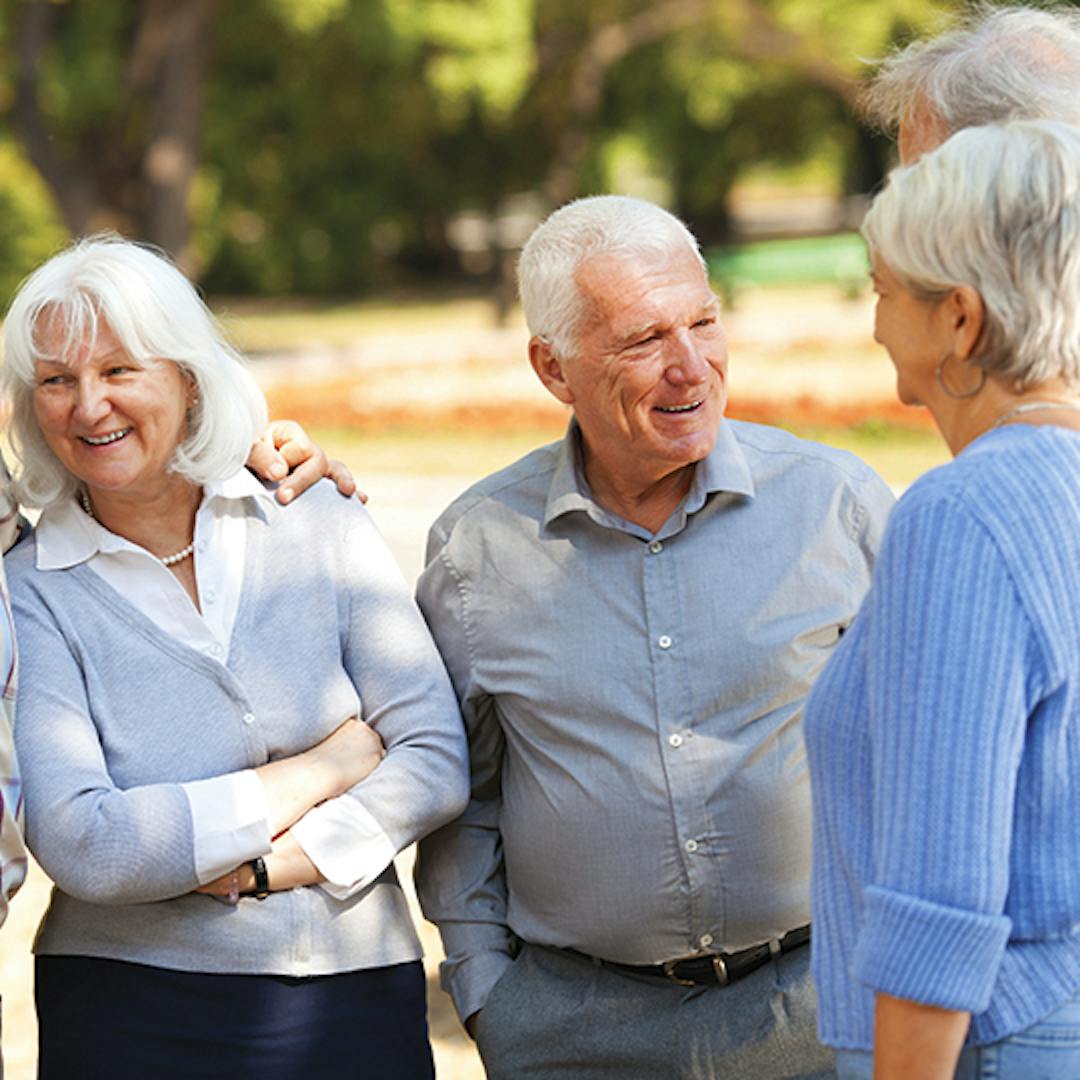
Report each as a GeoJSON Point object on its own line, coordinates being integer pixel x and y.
{"type": "Point", "coordinates": [966, 315]}
{"type": "Point", "coordinates": [549, 369]}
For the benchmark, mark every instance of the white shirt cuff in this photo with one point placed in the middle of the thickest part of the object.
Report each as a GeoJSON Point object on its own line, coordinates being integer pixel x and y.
{"type": "Point", "coordinates": [346, 844]}
{"type": "Point", "coordinates": [229, 820]}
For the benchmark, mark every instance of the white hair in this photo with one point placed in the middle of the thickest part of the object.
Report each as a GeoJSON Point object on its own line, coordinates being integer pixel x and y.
{"type": "Point", "coordinates": [999, 64]}
{"type": "Point", "coordinates": [996, 208]}
{"type": "Point", "coordinates": [600, 225]}
{"type": "Point", "coordinates": [156, 316]}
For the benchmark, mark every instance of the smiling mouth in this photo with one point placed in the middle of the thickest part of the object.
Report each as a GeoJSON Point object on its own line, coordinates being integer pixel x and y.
{"type": "Point", "coordinates": [679, 408]}
{"type": "Point", "coordinates": [104, 440]}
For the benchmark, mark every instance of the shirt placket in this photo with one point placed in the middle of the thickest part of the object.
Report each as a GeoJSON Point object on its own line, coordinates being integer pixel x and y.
{"type": "Point", "coordinates": [670, 647]}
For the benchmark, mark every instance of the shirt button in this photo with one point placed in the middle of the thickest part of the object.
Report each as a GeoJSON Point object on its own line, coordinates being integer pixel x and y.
{"type": "Point", "coordinates": [656, 547]}
{"type": "Point", "coordinates": [208, 596]}
{"type": "Point", "coordinates": [215, 650]}
{"type": "Point", "coordinates": [249, 718]}
{"type": "Point", "coordinates": [691, 846]}
{"type": "Point", "coordinates": [664, 641]}
{"type": "Point", "coordinates": [705, 940]}
{"type": "Point", "coordinates": [675, 740]}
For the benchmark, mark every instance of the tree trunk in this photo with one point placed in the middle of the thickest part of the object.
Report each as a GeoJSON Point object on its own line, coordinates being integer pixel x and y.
{"type": "Point", "coordinates": [135, 176]}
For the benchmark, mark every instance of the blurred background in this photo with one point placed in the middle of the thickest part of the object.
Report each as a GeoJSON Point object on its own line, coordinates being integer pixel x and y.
{"type": "Point", "coordinates": [350, 181]}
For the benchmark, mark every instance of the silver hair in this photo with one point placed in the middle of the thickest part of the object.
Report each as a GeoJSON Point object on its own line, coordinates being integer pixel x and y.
{"type": "Point", "coordinates": [998, 64]}
{"type": "Point", "coordinates": [156, 316]}
{"type": "Point", "coordinates": [996, 208]}
{"type": "Point", "coordinates": [601, 225]}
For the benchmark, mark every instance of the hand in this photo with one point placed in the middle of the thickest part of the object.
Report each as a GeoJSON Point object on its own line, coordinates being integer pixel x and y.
{"type": "Point", "coordinates": [285, 450]}
{"type": "Point", "coordinates": [287, 866]}
{"type": "Point", "coordinates": [293, 785]}
{"type": "Point", "coordinates": [354, 749]}
{"type": "Point", "coordinates": [223, 886]}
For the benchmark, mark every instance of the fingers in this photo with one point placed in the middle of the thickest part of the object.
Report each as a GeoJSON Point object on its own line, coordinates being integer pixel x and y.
{"type": "Point", "coordinates": [338, 471]}
{"type": "Point", "coordinates": [265, 462]}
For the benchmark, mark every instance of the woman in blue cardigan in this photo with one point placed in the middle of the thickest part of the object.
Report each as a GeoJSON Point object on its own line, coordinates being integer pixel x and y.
{"type": "Point", "coordinates": [231, 715]}
{"type": "Point", "coordinates": [944, 734]}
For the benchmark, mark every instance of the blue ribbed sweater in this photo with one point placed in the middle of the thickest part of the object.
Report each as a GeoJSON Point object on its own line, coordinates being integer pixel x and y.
{"type": "Point", "coordinates": [944, 747]}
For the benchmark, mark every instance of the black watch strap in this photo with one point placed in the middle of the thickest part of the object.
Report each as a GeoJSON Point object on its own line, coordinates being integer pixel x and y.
{"type": "Point", "coordinates": [262, 878]}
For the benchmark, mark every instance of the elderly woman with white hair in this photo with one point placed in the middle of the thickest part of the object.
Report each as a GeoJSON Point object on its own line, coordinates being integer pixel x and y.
{"type": "Point", "coordinates": [219, 809]}
{"type": "Point", "coordinates": [944, 734]}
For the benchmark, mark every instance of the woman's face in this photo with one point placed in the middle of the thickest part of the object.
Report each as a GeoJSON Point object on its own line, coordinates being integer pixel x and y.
{"type": "Point", "coordinates": [112, 422]}
{"type": "Point", "coordinates": [913, 333]}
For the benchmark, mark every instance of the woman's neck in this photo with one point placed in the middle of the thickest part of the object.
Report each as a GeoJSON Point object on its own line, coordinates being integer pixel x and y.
{"type": "Point", "coordinates": [162, 521]}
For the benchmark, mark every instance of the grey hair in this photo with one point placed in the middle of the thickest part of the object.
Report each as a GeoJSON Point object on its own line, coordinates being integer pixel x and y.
{"type": "Point", "coordinates": [156, 316]}
{"type": "Point", "coordinates": [998, 64]}
{"type": "Point", "coordinates": [996, 208]}
{"type": "Point", "coordinates": [601, 225]}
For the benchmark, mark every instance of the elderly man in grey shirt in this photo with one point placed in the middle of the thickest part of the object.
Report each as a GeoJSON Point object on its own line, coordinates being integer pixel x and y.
{"type": "Point", "coordinates": [632, 618]}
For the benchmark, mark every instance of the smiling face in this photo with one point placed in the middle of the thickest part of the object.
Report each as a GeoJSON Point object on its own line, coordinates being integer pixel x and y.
{"type": "Point", "coordinates": [113, 422]}
{"type": "Point", "coordinates": [648, 383]}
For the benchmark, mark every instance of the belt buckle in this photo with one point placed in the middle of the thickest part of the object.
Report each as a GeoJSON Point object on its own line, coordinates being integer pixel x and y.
{"type": "Point", "coordinates": [669, 971]}
{"type": "Point", "coordinates": [720, 967]}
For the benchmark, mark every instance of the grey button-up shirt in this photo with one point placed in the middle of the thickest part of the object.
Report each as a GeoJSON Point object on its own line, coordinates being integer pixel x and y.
{"type": "Point", "coordinates": [633, 702]}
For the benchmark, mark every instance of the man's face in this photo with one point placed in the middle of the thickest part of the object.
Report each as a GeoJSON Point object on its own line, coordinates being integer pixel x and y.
{"type": "Point", "coordinates": [921, 131]}
{"type": "Point", "coordinates": [648, 382]}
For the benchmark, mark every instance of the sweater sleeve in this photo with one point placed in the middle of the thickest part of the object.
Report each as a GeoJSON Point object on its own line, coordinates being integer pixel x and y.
{"type": "Point", "coordinates": [952, 677]}
{"type": "Point", "coordinates": [407, 698]}
{"type": "Point", "coordinates": [98, 842]}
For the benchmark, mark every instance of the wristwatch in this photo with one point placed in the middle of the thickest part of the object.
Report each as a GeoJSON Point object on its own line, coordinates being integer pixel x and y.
{"type": "Point", "coordinates": [262, 878]}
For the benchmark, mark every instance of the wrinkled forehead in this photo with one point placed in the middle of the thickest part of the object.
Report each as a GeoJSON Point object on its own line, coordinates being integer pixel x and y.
{"type": "Point", "coordinates": [616, 289]}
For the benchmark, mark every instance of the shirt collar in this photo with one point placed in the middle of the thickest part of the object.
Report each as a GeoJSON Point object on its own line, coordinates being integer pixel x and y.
{"type": "Point", "coordinates": [725, 469]}
{"type": "Point", "coordinates": [67, 536]}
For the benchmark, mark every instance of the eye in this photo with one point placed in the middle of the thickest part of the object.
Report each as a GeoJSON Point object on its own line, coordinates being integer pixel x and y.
{"type": "Point", "coordinates": [53, 380]}
{"type": "Point", "coordinates": [705, 321]}
{"type": "Point", "coordinates": [119, 369]}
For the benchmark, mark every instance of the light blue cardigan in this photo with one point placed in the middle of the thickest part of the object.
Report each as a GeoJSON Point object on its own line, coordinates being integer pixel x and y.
{"type": "Point", "coordinates": [944, 747]}
{"type": "Point", "coordinates": [114, 714]}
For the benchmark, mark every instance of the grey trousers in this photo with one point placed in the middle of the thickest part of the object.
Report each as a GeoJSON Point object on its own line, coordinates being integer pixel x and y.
{"type": "Point", "coordinates": [557, 1016]}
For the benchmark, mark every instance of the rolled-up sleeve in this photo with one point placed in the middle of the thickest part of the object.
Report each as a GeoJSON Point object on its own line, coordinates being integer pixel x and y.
{"type": "Point", "coordinates": [230, 822]}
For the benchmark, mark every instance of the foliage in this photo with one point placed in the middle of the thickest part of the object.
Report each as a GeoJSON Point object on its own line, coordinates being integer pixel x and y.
{"type": "Point", "coordinates": [341, 139]}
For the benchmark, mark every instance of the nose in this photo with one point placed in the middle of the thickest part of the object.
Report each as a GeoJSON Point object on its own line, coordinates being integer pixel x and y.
{"type": "Point", "coordinates": [686, 364]}
{"type": "Point", "coordinates": [91, 402]}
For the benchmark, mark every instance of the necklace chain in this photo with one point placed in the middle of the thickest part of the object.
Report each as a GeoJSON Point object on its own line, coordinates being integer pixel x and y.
{"type": "Point", "coordinates": [1033, 406]}
{"type": "Point", "coordinates": [167, 560]}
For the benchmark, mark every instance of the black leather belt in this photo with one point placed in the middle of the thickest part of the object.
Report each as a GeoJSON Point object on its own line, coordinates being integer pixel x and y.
{"type": "Point", "coordinates": [713, 969]}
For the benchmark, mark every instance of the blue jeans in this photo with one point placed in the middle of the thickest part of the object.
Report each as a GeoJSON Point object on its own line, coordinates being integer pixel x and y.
{"type": "Point", "coordinates": [1048, 1050]}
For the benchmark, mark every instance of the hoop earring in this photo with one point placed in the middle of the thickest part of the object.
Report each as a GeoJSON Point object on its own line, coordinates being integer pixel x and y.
{"type": "Point", "coordinates": [940, 376]}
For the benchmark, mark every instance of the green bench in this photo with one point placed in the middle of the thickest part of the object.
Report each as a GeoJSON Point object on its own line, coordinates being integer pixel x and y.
{"type": "Point", "coordinates": [839, 259]}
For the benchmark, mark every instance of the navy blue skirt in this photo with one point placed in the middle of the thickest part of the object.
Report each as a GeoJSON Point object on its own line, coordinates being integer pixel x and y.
{"type": "Point", "coordinates": [111, 1019]}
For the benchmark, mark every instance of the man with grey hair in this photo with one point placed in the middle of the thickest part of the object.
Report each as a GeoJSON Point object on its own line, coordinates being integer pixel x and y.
{"type": "Point", "coordinates": [632, 618]}
{"type": "Point", "coordinates": [997, 64]}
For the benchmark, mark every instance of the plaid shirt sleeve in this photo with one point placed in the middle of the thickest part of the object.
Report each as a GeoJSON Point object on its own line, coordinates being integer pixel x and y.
{"type": "Point", "coordinates": [12, 850]}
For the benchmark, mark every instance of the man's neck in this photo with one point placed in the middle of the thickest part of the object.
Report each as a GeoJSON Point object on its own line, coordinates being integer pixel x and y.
{"type": "Point", "coordinates": [645, 501]}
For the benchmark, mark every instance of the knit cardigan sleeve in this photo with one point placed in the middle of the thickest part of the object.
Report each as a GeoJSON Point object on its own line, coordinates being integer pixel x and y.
{"type": "Point", "coordinates": [953, 674]}
{"type": "Point", "coordinates": [98, 842]}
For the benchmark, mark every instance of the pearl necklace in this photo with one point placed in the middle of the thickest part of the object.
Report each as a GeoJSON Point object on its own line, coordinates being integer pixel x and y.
{"type": "Point", "coordinates": [1031, 407]}
{"type": "Point", "coordinates": [168, 560]}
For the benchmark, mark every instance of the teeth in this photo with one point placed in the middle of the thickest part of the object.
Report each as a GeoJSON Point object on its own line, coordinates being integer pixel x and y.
{"type": "Point", "coordinates": [106, 439]}
{"type": "Point", "coordinates": [679, 408]}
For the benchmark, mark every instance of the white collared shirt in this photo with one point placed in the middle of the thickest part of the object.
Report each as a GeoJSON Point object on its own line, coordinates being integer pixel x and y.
{"type": "Point", "coordinates": [229, 813]}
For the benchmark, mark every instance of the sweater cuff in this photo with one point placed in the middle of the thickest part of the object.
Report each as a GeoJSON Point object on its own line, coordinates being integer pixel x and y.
{"type": "Point", "coordinates": [930, 953]}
